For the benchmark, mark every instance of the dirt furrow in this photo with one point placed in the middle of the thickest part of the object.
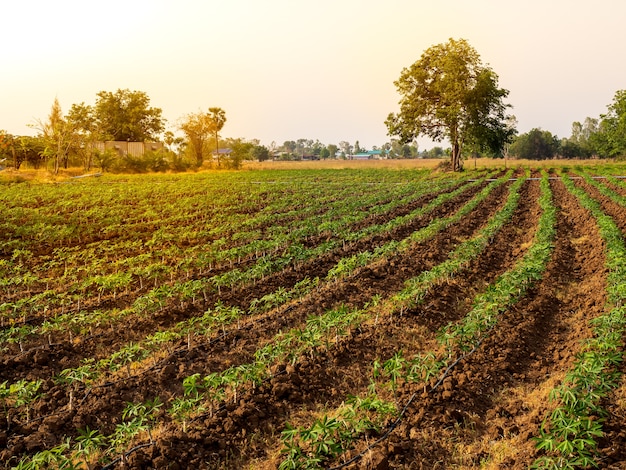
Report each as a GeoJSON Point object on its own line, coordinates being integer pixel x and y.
{"type": "Point", "coordinates": [334, 374]}
{"type": "Point", "coordinates": [51, 355]}
{"type": "Point", "coordinates": [493, 403]}
{"type": "Point", "coordinates": [102, 407]}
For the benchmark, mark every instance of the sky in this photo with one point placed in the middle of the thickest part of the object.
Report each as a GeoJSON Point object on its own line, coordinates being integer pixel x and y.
{"type": "Point", "coordinates": [290, 69]}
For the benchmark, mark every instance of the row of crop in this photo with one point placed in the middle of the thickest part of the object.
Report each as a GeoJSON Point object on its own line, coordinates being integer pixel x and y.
{"type": "Point", "coordinates": [569, 435]}
{"type": "Point", "coordinates": [348, 265]}
{"type": "Point", "coordinates": [77, 212]}
{"type": "Point", "coordinates": [177, 208]}
{"type": "Point", "coordinates": [90, 371]}
{"type": "Point", "coordinates": [157, 298]}
{"type": "Point", "coordinates": [106, 252]}
{"type": "Point", "coordinates": [323, 330]}
{"type": "Point", "coordinates": [456, 342]}
{"type": "Point", "coordinates": [152, 267]}
{"type": "Point", "coordinates": [115, 207]}
{"type": "Point", "coordinates": [196, 327]}
{"type": "Point", "coordinates": [203, 394]}
{"type": "Point", "coordinates": [319, 330]}
{"type": "Point", "coordinates": [219, 315]}
{"type": "Point", "coordinates": [91, 448]}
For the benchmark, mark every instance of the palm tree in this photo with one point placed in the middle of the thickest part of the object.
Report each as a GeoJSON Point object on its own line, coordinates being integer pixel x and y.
{"type": "Point", "coordinates": [217, 117]}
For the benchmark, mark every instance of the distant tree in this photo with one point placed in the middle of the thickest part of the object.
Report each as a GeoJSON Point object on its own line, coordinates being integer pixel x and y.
{"type": "Point", "coordinates": [127, 115]}
{"type": "Point", "coordinates": [58, 137]}
{"type": "Point", "coordinates": [568, 148]}
{"type": "Point", "coordinates": [609, 139]}
{"type": "Point", "coordinates": [396, 149]}
{"type": "Point", "coordinates": [324, 153]}
{"type": "Point", "coordinates": [273, 148]}
{"type": "Point", "coordinates": [217, 118]}
{"type": "Point", "coordinates": [346, 148]}
{"type": "Point", "coordinates": [82, 120]}
{"type": "Point", "coordinates": [581, 133]}
{"type": "Point", "coordinates": [199, 128]}
{"type": "Point", "coordinates": [449, 93]}
{"type": "Point", "coordinates": [260, 153]}
{"type": "Point", "coordinates": [537, 144]}
{"type": "Point", "coordinates": [332, 150]}
{"type": "Point", "coordinates": [7, 149]}
{"type": "Point", "coordinates": [316, 148]}
{"type": "Point", "coordinates": [406, 151]}
{"type": "Point", "coordinates": [289, 146]}
{"type": "Point", "coordinates": [30, 150]}
{"type": "Point", "coordinates": [386, 150]}
{"type": "Point", "coordinates": [357, 147]}
{"type": "Point", "coordinates": [435, 152]}
{"type": "Point", "coordinates": [173, 143]}
{"type": "Point", "coordinates": [240, 150]}
{"type": "Point", "coordinates": [579, 144]}
{"type": "Point", "coordinates": [105, 159]}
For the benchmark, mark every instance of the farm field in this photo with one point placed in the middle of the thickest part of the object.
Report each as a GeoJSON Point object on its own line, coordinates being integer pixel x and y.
{"type": "Point", "coordinates": [357, 318]}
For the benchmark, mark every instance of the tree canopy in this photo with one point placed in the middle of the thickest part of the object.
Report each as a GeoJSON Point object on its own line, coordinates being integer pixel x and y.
{"type": "Point", "coordinates": [610, 137]}
{"type": "Point", "coordinates": [199, 128]}
{"type": "Point", "coordinates": [58, 136]}
{"type": "Point", "coordinates": [449, 93]}
{"type": "Point", "coordinates": [536, 144]}
{"type": "Point", "coordinates": [121, 115]}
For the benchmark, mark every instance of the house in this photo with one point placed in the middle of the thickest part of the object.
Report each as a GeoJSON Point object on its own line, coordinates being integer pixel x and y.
{"type": "Point", "coordinates": [222, 152]}
{"type": "Point", "coordinates": [124, 148]}
{"type": "Point", "coordinates": [369, 155]}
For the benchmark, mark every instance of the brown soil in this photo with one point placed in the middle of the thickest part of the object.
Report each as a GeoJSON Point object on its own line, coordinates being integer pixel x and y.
{"type": "Point", "coordinates": [486, 411]}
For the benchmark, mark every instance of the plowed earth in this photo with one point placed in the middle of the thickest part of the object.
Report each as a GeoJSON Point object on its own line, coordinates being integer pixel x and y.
{"type": "Point", "coordinates": [484, 414]}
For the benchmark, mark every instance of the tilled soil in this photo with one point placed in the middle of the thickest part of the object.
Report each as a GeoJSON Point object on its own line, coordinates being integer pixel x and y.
{"type": "Point", "coordinates": [483, 415]}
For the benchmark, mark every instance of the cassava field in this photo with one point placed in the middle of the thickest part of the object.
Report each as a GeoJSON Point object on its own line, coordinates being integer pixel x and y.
{"type": "Point", "coordinates": [319, 318]}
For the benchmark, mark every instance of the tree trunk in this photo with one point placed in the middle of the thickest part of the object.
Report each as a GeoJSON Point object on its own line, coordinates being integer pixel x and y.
{"type": "Point", "coordinates": [217, 150]}
{"type": "Point", "coordinates": [455, 158]}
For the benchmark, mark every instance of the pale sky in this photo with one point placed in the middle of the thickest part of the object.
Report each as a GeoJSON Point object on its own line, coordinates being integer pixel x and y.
{"type": "Point", "coordinates": [290, 69]}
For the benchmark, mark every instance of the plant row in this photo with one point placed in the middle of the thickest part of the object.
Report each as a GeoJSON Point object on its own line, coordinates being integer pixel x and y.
{"type": "Point", "coordinates": [205, 393]}
{"type": "Point", "coordinates": [285, 245]}
{"type": "Point", "coordinates": [457, 340]}
{"type": "Point", "coordinates": [569, 435]}
{"type": "Point", "coordinates": [183, 292]}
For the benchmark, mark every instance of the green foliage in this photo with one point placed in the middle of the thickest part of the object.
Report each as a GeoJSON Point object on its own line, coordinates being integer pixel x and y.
{"type": "Point", "coordinates": [448, 93]}
{"type": "Point", "coordinates": [535, 145]}
{"type": "Point", "coordinates": [127, 116]}
{"type": "Point", "coordinates": [20, 395]}
{"type": "Point", "coordinates": [329, 436]}
{"type": "Point", "coordinates": [610, 138]}
{"type": "Point", "coordinates": [569, 435]}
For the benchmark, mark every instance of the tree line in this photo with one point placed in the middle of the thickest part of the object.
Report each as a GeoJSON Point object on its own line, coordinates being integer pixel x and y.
{"type": "Point", "coordinates": [448, 94]}
{"type": "Point", "coordinates": [77, 138]}
{"type": "Point", "coordinates": [602, 137]}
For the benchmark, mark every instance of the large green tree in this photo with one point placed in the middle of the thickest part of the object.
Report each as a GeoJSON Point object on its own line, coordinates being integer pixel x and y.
{"type": "Point", "coordinates": [450, 94]}
{"type": "Point", "coordinates": [127, 115]}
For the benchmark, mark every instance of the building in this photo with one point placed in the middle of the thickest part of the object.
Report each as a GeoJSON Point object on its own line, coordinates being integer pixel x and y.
{"type": "Point", "coordinates": [222, 152]}
{"type": "Point", "coordinates": [124, 148]}
{"type": "Point", "coordinates": [369, 155]}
